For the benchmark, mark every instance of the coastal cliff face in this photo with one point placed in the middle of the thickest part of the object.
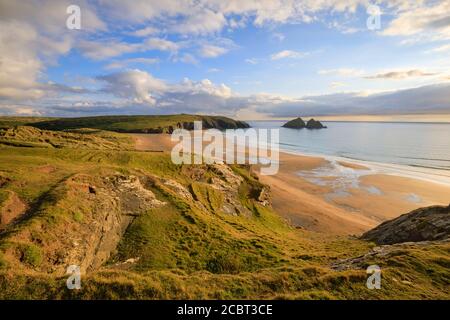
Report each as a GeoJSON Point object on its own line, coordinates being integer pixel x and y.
{"type": "Point", "coordinates": [141, 227]}
{"type": "Point", "coordinates": [299, 123]}
{"type": "Point", "coordinates": [424, 224]}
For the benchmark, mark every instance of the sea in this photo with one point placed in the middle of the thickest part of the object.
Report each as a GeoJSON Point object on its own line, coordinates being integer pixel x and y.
{"type": "Point", "coordinates": [419, 150]}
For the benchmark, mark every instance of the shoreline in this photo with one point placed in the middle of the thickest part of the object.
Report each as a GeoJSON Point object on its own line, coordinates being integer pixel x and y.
{"type": "Point", "coordinates": [433, 175]}
{"type": "Point", "coordinates": [337, 195]}
{"type": "Point", "coordinates": [345, 198]}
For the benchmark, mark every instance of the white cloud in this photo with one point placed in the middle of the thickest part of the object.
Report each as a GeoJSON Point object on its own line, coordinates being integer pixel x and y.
{"type": "Point", "coordinates": [422, 100]}
{"type": "Point", "coordinates": [212, 51]}
{"type": "Point", "coordinates": [288, 54]}
{"type": "Point", "coordinates": [186, 58]}
{"type": "Point", "coordinates": [337, 84]}
{"type": "Point", "coordinates": [401, 74]}
{"type": "Point", "coordinates": [161, 45]}
{"type": "Point", "coordinates": [443, 48]}
{"type": "Point", "coordinates": [119, 64]}
{"type": "Point", "coordinates": [31, 38]}
{"type": "Point", "coordinates": [200, 22]}
{"type": "Point", "coordinates": [145, 32]}
{"type": "Point", "coordinates": [141, 88]}
{"type": "Point", "coordinates": [136, 85]}
{"type": "Point", "coordinates": [345, 72]}
{"type": "Point", "coordinates": [108, 48]}
{"type": "Point", "coordinates": [422, 17]}
{"type": "Point", "coordinates": [252, 60]}
{"type": "Point", "coordinates": [19, 110]}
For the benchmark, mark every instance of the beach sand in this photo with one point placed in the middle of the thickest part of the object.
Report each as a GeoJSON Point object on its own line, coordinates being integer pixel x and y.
{"type": "Point", "coordinates": [333, 204]}
{"type": "Point", "coordinates": [350, 210]}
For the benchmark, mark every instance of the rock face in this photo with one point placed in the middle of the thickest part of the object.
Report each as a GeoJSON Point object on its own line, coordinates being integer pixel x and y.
{"type": "Point", "coordinates": [424, 224]}
{"type": "Point", "coordinates": [314, 124]}
{"type": "Point", "coordinates": [298, 123]}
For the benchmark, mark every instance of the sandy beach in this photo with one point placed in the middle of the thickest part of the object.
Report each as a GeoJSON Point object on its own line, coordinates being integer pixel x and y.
{"type": "Point", "coordinates": [335, 197]}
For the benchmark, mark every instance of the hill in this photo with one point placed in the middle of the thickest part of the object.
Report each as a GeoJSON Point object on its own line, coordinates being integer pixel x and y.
{"type": "Point", "coordinates": [127, 124]}
{"type": "Point", "coordinates": [9, 122]}
{"type": "Point", "coordinates": [23, 136]}
{"type": "Point", "coordinates": [142, 227]}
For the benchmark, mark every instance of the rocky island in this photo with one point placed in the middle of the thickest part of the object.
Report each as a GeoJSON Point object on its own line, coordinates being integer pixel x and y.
{"type": "Point", "coordinates": [299, 123]}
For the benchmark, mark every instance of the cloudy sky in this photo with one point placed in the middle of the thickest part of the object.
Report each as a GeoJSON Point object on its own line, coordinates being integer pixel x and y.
{"type": "Point", "coordinates": [248, 59]}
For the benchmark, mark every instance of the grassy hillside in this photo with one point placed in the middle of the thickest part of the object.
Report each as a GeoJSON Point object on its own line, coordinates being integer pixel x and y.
{"type": "Point", "coordinates": [141, 227]}
{"type": "Point", "coordinates": [130, 124]}
{"type": "Point", "coordinates": [8, 122]}
{"type": "Point", "coordinates": [23, 136]}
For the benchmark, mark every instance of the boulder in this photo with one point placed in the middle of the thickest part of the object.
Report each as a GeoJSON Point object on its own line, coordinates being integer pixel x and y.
{"type": "Point", "coordinates": [423, 224]}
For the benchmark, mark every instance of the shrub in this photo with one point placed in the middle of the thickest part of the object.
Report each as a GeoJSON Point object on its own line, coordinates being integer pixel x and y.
{"type": "Point", "coordinates": [32, 255]}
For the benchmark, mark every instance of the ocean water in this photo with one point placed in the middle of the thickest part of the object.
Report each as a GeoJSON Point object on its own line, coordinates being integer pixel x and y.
{"type": "Point", "coordinates": [414, 149]}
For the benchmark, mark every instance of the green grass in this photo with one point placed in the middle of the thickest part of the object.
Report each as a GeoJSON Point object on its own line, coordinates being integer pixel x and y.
{"type": "Point", "coordinates": [9, 122]}
{"type": "Point", "coordinates": [31, 255]}
{"type": "Point", "coordinates": [128, 124]}
{"type": "Point", "coordinates": [185, 249]}
{"type": "Point", "coordinates": [31, 137]}
{"type": "Point", "coordinates": [210, 197]}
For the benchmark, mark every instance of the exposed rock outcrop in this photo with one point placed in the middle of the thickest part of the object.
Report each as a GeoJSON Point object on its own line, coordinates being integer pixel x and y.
{"type": "Point", "coordinates": [314, 124]}
{"type": "Point", "coordinates": [424, 224]}
{"type": "Point", "coordinates": [96, 212]}
{"type": "Point", "coordinates": [298, 123]}
{"type": "Point", "coordinates": [381, 253]}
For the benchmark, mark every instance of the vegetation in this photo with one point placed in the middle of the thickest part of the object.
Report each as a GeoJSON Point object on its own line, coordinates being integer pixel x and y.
{"type": "Point", "coordinates": [186, 245]}
{"type": "Point", "coordinates": [22, 136]}
{"type": "Point", "coordinates": [125, 124]}
{"type": "Point", "coordinates": [9, 122]}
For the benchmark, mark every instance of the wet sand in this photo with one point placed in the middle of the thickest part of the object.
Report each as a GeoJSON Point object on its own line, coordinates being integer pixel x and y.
{"type": "Point", "coordinates": [328, 205]}
{"type": "Point", "coordinates": [333, 204]}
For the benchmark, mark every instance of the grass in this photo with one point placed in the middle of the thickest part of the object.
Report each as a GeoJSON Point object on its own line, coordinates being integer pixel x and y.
{"type": "Point", "coordinates": [9, 122]}
{"type": "Point", "coordinates": [188, 248]}
{"type": "Point", "coordinates": [23, 136]}
{"type": "Point", "coordinates": [127, 124]}
{"type": "Point", "coordinates": [212, 198]}
{"type": "Point", "coordinates": [31, 255]}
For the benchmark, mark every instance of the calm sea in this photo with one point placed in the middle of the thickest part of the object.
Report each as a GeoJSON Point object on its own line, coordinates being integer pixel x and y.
{"type": "Point", "coordinates": [419, 145]}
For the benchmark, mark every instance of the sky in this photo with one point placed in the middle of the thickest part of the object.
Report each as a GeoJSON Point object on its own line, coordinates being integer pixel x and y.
{"type": "Point", "coordinates": [252, 59]}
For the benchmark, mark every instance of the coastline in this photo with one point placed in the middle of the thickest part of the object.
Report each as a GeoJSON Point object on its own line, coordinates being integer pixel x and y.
{"type": "Point", "coordinates": [433, 175]}
{"type": "Point", "coordinates": [337, 195]}
{"type": "Point", "coordinates": [309, 193]}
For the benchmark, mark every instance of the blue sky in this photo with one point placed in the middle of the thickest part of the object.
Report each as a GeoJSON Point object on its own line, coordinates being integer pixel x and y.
{"type": "Point", "coordinates": [253, 59]}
